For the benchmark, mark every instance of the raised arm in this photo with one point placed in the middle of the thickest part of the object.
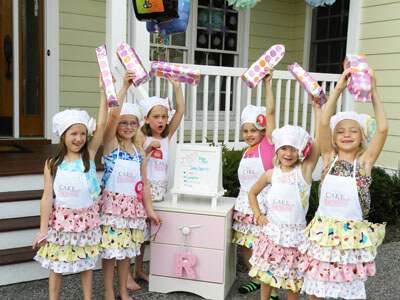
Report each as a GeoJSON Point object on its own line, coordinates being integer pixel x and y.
{"type": "Point", "coordinates": [378, 140]}
{"type": "Point", "coordinates": [112, 122]}
{"type": "Point", "coordinates": [97, 138]}
{"type": "Point", "coordinates": [328, 111]}
{"type": "Point", "coordinates": [180, 108]}
{"type": "Point", "coordinates": [46, 204]}
{"type": "Point", "coordinates": [260, 184]}
{"type": "Point", "coordinates": [270, 106]}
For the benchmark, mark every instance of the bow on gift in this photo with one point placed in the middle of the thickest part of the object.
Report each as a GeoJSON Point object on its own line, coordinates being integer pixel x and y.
{"type": "Point", "coordinates": [185, 261]}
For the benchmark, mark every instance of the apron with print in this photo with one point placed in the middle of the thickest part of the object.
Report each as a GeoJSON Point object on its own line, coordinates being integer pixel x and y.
{"type": "Point", "coordinates": [157, 165]}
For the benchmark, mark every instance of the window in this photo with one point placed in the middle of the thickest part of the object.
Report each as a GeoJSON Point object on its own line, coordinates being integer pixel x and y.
{"type": "Point", "coordinates": [212, 38]}
{"type": "Point", "coordinates": [329, 37]}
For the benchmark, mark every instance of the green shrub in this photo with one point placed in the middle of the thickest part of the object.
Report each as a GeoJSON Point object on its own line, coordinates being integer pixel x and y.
{"type": "Point", "coordinates": [230, 165]}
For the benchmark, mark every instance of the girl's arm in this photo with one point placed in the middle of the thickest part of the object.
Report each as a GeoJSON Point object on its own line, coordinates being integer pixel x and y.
{"type": "Point", "coordinates": [254, 191]}
{"type": "Point", "coordinates": [180, 108]}
{"type": "Point", "coordinates": [112, 122]}
{"type": "Point", "coordinates": [270, 106]}
{"type": "Point", "coordinates": [148, 203]}
{"type": "Point", "coordinates": [378, 140]}
{"type": "Point", "coordinates": [46, 205]}
{"type": "Point", "coordinates": [329, 110]}
{"type": "Point", "coordinates": [311, 161]}
{"type": "Point", "coordinates": [97, 138]}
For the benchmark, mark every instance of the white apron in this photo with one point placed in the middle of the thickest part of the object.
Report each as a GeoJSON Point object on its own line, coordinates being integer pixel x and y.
{"type": "Point", "coordinates": [339, 196]}
{"type": "Point", "coordinates": [284, 202]}
{"type": "Point", "coordinates": [71, 189]}
{"type": "Point", "coordinates": [125, 177]}
{"type": "Point", "coordinates": [157, 165]}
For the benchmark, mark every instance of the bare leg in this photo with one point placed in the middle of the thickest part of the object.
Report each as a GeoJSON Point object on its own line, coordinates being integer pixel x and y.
{"type": "Point", "coordinates": [293, 296]}
{"type": "Point", "coordinates": [246, 254]}
{"type": "Point", "coordinates": [55, 280]}
{"type": "Point", "coordinates": [265, 291]}
{"type": "Point", "coordinates": [312, 297]}
{"type": "Point", "coordinates": [139, 272]}
{"type": "Point", "coordinates": [123, 270]}
{"type": "Point", "coordinates": [86, 282]}
{"type": "Point", "coordinates": [108, 278]}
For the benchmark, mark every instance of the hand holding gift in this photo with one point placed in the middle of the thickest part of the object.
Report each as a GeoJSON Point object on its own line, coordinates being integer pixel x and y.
{"type": "Point", "coordinates": [263, 66]}
{"type": "Point", "coordinates": [360, 82]}
{"type": "Point", "coordinates": [309, 84]}
{"type": "Point", "coordinates": [106, 76]}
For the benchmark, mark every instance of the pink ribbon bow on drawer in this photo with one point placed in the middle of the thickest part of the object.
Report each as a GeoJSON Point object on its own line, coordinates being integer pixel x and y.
{"type": "Point", "coordinates": [185, 262]}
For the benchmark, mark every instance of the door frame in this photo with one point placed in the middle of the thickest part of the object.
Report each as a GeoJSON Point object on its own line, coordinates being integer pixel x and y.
{"type": "Point", "coordinates": [51, 66]}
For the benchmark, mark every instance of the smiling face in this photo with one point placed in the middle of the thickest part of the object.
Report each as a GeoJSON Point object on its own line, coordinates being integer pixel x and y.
{"type": "Point", "coordinates": [288, 156]}
{"type": "Point", "coordinates": [127, 126]}
{"type": "Point", "coordinates": [251, 135]}
{"type": "Point", "coordinates": [157, 119]}
{"type": "Point", "coordinates": [75, 137]}
{"type": "Point", "coordinates": [348, 136]}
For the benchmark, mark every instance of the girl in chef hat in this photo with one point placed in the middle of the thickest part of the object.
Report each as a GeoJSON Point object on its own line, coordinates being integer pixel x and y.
{"type": "Point", "coordinates": [276, 258]}
{"type": "Point", "coordinates": [342, 244]}
{"type": "Point", "coordinates": [69, 238]}
{"type": "Point", "coordinates": [257, 125]}
{"type": "Point", "coordinates": [124, 208]}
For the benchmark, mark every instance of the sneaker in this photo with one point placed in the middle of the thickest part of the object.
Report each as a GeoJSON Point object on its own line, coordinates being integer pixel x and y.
{"type": "Point", "coordinates": [249, 287]}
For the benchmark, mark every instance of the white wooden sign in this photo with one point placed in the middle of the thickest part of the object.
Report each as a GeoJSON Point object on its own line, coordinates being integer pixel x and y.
{"type": "Point", "coordinates": [198, 171]}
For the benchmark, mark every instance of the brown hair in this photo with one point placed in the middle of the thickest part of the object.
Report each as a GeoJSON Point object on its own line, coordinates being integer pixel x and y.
{"type": "Point", "coordinates": [147, 130]}
{"type": "Point", "coordinates": [56, 160]}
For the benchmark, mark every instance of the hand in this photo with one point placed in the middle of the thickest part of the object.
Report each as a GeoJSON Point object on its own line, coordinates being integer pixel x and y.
{"type": "Point", "coordinates": [154, 218]}
{"type": "Point", "coordinates": [128, 77]}
{"type": "Point", "coordinates": [176, 84]}
{"type": "Point", "coordinates": [315, 102]}
{"type": "Point", "coordinates": [268, 77]}
{"type": "Point", "coordinates": [261, 220]}
{"type": "Point", "coordinates": [39, 240]}
{"type": "Point", "coordinates": [342, 82]}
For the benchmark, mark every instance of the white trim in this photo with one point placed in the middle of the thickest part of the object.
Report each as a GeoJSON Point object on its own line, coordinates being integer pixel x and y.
{"type": "Point", "coordinates": [307, 37]}
{"type": "Point", "coordinates": [15, 18]}
{"type": "Point", "coordinates": [52, 66]}
{"type": "Point", "coordinates": [244, 36]}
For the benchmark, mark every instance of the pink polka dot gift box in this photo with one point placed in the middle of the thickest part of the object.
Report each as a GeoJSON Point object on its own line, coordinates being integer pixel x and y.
{"type": "Point", "coordinates": [308, 83]}
{"type": "Point", "coordinates": [360, 81]}
{"type": "Point", "coordinates": [263, 65]}
{"type": "Point", "coordinates": [106, 76]}
{"type": "Point", "coordinates": [131, 61]}
{"type": "Point", "coordinates": [178, 72]}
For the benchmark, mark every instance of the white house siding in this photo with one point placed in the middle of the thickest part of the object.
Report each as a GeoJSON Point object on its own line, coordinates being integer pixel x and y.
{"type": "Point", "coordinates": [380, 41]}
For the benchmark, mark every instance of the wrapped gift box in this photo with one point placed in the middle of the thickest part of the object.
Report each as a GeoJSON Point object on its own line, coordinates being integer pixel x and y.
{"type": "Point", "coordinates": [178, 72]}
{"type": "Point", "coordinates": [106, 76]}
{"type": "Point", "coordinates": [360, 82]}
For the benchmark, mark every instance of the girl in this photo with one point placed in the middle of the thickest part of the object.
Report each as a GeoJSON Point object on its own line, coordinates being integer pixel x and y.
{"type": "Point", "coordinates": [158, 133]}
{"type": "Point", "coordinates": [123, 212]}
{"type": "Point", "coordinates": [341, 244]}
{"type": "Point", "coordinates": [275, 260]}
{"type": "Point", "coordinates": [70, 236]}
{"type": "Point", "coordinates": [257, 126]}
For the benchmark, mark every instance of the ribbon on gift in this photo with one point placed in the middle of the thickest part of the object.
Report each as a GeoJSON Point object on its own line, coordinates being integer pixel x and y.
{"type": "Point", "coordinates": [106, 76]}
{"type": "Point", "coordinates": [360, 83]}
{"type": "Point", "coordinates": [263, 66]}
{"type": "Point", "coordinates": [131, 61]}
{"type": "Point", "coordinates": [309, 84]}
{"type": "Point", "coordinates": [178, 72]}
{"type": "Point", "coordinates": [185, 262]}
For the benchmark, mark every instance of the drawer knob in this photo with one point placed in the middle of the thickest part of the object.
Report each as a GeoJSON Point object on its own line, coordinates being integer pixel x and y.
{"type": "Point", "coordinates": [185, 230]}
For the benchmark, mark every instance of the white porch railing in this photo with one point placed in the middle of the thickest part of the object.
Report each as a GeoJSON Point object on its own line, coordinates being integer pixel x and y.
{"type": "Point", "coordinates": [223, 126]}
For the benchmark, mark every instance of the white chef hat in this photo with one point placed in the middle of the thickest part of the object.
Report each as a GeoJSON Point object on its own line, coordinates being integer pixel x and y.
{"type": "Point", "coordinates": [149, 103]}
{"type": "Point", "coordinates": [366, 122]}
{"type": "Point", "coordinates": [294, 136]}
{"type": "Point", "coordinates": [66, 118]}
{"type": "Point", "coordinates": [254, 115]}
{"type": "Point", "coordinates": [131, 109]}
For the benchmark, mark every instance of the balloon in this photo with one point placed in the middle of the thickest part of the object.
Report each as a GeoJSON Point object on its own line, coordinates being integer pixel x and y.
{"type": "Point", "coordinates": [158, 10]}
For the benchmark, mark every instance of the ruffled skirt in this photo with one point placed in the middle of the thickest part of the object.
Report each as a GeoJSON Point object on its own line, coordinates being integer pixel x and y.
{"type": "Point", "coordinates": [276, 260]}
{"type": "Point", "coordinates": [158, 190]}
{"type": "Point", "coordinates": [73, 240]}
{"type": "Point", "coordinates": [339, 257]}
{"type": "Point", "coordinates": [123, 222]}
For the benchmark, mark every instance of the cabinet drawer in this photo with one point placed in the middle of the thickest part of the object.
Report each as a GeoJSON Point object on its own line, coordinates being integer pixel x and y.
{"type": "Point", "coordinates": [205, 231]}
{"type": "Point", "coordinates": [209, 262]}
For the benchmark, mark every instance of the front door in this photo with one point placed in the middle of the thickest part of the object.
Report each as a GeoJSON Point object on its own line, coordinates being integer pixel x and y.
{"type": "Point", "coordinates": [6, 72]}
{"type": "Point", "coordinates": [31, 67]}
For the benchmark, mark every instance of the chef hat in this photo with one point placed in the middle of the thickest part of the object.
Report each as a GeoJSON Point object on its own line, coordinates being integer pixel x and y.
{"type": "Point", "coordinates": [149, 103]}
{"type": "Point", "coordinates": [366, 122]}
{"type": "Point", "coordinates": [294, 136]}
{"type": "Point", "coordinates": [66, 118]}
{"type": "Point", "coordinates": [131, 109]}
{"type": "Point", "coordinates": [254, 115]}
